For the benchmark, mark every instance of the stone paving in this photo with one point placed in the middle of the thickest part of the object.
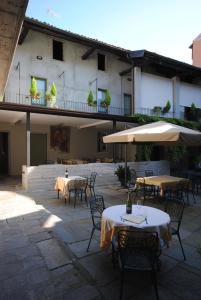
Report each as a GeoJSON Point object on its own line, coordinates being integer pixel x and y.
{"type": "Point", "coordinates": [43, 252]}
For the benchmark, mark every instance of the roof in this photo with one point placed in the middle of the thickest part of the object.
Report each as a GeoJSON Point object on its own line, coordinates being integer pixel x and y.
{"type": "Point", "coordinates": [164, 65]}
{"type": "Point", "coordinates": [34, 24]}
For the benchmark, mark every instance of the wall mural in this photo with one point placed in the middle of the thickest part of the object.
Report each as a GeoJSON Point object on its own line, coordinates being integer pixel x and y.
{"type": "Point", "coordinates": [60, 138]}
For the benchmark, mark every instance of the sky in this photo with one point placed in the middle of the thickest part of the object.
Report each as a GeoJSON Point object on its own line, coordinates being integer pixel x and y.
{"type": "Point", "coordinates": [166, 27]}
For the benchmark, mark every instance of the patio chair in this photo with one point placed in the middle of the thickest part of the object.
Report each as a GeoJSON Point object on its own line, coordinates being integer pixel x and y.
{"type": "Point", "coordinates": [91, 183]}
{"type": "Point", "coordinates": [149, 173]}
{"type": "Point", "coordinates": [138, 250]}
{"type": "Point", "coordinates": [78, 190]}
{"type": "Point", "coordinates": [175, 208]}
{"type": "Point", "coordinates": [132, 181]}
{"type": "Point", "coordinates": [97, 207]}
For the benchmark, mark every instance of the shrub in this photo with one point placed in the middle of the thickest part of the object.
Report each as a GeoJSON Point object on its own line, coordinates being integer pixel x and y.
{"type": "Point", "coordinates": [120, 172]}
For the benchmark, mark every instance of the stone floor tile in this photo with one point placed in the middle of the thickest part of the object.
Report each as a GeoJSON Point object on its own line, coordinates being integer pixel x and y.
{"type": "Point", "coordinates": [39, 275]}
{"type": "Point", "coordinates": [53, 254]}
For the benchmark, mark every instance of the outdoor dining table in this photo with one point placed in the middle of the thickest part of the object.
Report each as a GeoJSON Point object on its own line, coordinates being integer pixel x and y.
{"type": "Point", "coordinates": [63, 184]}
{"type": "Point", "coordinates": [162, 181]}
{"type": "Point", "coordinates": [148, 218]}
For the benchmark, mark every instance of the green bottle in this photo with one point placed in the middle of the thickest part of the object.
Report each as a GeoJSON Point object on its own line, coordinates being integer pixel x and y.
{"type": "Point", "coordinates": [129, 205]}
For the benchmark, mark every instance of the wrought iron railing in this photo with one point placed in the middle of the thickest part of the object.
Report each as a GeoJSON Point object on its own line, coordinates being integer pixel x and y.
{"type": "Point", "coordinates": [84, 107]}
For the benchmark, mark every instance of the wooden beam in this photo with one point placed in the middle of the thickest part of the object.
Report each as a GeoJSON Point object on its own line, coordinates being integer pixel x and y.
{"type": "Point", "coordinates": [125, 72]}
{"type": "Point", "coordinates": [88, 53]}
{"type": "Point", "coordinates": [23, 34]}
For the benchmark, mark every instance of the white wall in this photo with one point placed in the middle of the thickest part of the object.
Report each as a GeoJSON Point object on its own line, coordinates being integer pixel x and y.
{"type": "Point", "coordinates": [155, 91]}
{"type": "Point", "coordinates": [74, 86]}
{"type": "Point", "coordinates": [189, 93]}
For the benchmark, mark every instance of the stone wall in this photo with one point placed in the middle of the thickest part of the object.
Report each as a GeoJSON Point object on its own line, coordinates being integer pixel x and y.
{"type": "Point", "coordinates": [43, 177]}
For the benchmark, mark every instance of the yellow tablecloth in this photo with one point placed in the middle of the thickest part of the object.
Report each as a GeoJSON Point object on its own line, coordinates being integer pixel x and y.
{"type": "Point", "coordinates": [63, 184]}
{"type": "Point", "coordinates": [163, 181]}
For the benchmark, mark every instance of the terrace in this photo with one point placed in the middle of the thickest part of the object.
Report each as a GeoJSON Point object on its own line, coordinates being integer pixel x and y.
{"type": "Point", "coordinates": [43, 251]}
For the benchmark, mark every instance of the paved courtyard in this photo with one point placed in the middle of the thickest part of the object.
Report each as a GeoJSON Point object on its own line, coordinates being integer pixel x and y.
{"type": "Point", "coordinates": [43, 252]}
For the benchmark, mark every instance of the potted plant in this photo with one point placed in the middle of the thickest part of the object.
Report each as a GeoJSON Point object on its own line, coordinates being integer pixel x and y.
{"type": "Point", "coordinates": [51, 96]}
{"type": "Point", "coordinates": [33, 89]}
{"type": "Point", "coordinates": [120, 172]}
{"type": "Point", "coordinates": [157, 110]}
{"type": "Point", "coordinates": [90, 99]}
{"type": "Point", "coordinates": [167, 107]}
{"type": "Point", "coordinates": [107, 100]}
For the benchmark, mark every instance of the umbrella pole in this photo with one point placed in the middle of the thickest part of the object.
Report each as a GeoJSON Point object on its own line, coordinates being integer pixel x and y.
{"type": "Point", "coordinates": [125, 149]}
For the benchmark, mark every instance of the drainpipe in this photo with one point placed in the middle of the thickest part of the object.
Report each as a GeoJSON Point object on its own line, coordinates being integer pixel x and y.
{"type": "Point", "coordinates": [28, 130]}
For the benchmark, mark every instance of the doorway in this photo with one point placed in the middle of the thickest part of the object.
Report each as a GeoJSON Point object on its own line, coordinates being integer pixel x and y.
{"type": "Point", "coordinates": [38, 149]}
{"type": "Point", "coordinates": [3, 153]}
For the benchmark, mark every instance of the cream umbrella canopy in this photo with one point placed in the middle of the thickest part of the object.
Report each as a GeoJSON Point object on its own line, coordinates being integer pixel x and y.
{"type": "Point", "coordinates": [157, 132]}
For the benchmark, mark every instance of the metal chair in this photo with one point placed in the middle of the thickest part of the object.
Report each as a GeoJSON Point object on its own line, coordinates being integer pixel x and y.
{"type": "Point", "coordinates": [78, 189]}
{"type": "Point", "coordinates": [132, 180]}
{"type": "Point", "coordinates": [149, 173]}
{"type": "Point", "coordinates": [97, 207]}
{"type": "Point", "coordinates": [91, 183]}
{"type": "Point", "coordinates": [138, 251]}
{"type": "Point", "coordinates": [175, 208]}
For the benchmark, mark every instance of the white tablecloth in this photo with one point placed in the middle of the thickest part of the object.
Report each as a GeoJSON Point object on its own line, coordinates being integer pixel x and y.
{"type": "Point", "coordinates": [113, 219]}
{"type": "Point", "coordinates": [62, 184]}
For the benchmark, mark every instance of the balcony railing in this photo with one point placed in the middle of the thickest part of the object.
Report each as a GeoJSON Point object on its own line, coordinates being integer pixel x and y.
{"type": "Point", "coordinates": [84, 107]}
{"type": "Point", "coordinates": [68, 105]}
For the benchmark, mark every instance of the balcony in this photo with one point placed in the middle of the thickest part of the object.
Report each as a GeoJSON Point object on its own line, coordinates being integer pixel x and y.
{"type": "Point", "coordinates": [84, 107]}
{"type": "Point", "coordinates": [68, 105]}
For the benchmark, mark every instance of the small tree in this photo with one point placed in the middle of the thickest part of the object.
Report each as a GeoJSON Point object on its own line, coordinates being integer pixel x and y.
{"type": "Point", "coordinates": [167, 107]}
{"type": "Point", "coordinates": [33, 90]}
{"type": "Point", "coordinates": [107, 99]}
{"type": "Point", "coordinates": [90, 98]}
{"type": "Point", "coordinates": [53, 90]}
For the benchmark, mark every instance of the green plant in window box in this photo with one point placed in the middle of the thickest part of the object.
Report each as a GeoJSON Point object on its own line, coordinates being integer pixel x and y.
{"type": "Point", "coordinates": [107, 100]}
{"type": "Point", "coordinates": [157, 110]}
{"type": "Point", "coordinates": [167, 107]}
{"type": "Point", "coordinates": [51, 96]}
{"type": "Point", "coordinates": [33, 89]}
{"type": "Point", "coordinates": [90, 99]}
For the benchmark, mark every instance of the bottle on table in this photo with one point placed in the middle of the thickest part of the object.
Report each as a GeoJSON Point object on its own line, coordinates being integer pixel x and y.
{"type": "Point", "coordinates": [129, 205]}
{"type": "Point", "coordinates": [66, 173]}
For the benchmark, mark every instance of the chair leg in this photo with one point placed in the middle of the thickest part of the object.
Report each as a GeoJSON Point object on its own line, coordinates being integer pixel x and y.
{"type": "Point", "coordinates": [121, 285]}
{"type": "Point", "coordinates": [92, 232]}
{"type": "Point", "coordinates": [153, 275]}
{"type": "Point", "coordinates": [181, 246]}
{"type": "Point", "coordinates": [75, 199]}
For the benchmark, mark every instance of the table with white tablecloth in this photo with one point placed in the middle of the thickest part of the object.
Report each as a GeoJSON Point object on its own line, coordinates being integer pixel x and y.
{"type": "Point", "coordinates": [143, 217]}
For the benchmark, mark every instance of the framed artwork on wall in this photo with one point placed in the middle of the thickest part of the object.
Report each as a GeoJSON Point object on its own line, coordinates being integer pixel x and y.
{"type": "Point", "coordinates": [60, 138]}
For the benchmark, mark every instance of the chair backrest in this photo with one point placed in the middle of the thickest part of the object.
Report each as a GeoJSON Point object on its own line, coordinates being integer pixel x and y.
{"type": "Point", "coordinates": [149, 173]}
{"type": "Point", "coordinates": [136, 195]}
{"type": "Point", "coordinates": [92, 178]}
{"type": "Point", "coordinates": [138, 249]}
{"type": "Point", "coordinates": [97, 207]}
{"type": "Point", "coordinates": [175, 208]}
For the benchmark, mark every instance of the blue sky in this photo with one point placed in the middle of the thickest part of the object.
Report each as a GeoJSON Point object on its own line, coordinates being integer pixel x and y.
{"type": "Point", "coordinates": [167, 27]}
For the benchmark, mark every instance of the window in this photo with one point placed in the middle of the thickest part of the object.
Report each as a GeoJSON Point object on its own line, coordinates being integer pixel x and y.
{"type": "Point", "coordinates": [57, 50]}
{"type": "Point", "coordinates": [41, 87]}
{"type": "Point", "coordinates": [101, 147]}
{"type": "Point", "coordinates": [101, 62]}
{"type": "Point", "coordinates": [127, 105]}
{"type": "Point", "coordinates": [101, 97]}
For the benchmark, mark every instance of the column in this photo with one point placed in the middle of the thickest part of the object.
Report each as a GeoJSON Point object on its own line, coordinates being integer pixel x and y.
{"type": "Point", "coordinates": [136, 91]}
{"type": "Point", "coordinates": [28, 130]}
{"type": "Point", "coordinates": [175, 93]}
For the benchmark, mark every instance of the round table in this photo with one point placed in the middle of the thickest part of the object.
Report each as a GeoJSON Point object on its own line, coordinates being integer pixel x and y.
{"type": "Point", "coordinates": [114, 217]}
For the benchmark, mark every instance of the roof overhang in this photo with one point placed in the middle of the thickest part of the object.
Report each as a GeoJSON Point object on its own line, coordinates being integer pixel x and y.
{"type": "Point", "coordinates": [165, 65]}
{"type": "Point", "coordinates": [16, 114]}
{"type": "Point", "coordinates": [11, 19]}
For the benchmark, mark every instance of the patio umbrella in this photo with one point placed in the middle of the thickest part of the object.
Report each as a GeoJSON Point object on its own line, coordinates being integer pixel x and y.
{"type": "Point", "coordinates": [157, 132]}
